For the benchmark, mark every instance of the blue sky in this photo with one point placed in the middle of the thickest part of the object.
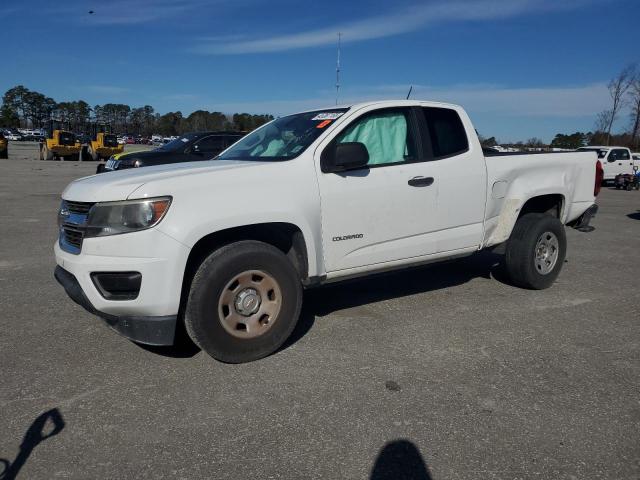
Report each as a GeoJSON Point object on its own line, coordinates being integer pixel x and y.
{"type": "Point", "coordinates": [522, 68]}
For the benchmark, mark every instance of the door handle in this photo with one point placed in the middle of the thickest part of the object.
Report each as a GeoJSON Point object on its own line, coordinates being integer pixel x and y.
{"type": "Point", "coordinates": [420, 181]}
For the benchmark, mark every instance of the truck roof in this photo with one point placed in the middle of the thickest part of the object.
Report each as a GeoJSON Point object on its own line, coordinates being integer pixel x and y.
{"type": "Point", "coordinates": [386, 103]}
{"type": "Point", "coordinates": [603, 147]}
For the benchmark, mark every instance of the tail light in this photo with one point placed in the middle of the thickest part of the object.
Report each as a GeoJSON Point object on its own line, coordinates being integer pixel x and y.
{"type": "Point", "coordinates": [599, 177]}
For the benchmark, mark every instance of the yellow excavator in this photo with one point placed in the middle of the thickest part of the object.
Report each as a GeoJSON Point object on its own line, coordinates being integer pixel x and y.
{"type": "Point", "coordinates": [103, 143]}
{"type": "Point", "coordinates": [59, 144]}
{"type": "Point", "coordinates": [4, 146]}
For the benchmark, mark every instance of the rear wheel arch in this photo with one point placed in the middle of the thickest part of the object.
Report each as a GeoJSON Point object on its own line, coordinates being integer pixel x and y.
{"type": "Point", "coordinates": [551, 204]}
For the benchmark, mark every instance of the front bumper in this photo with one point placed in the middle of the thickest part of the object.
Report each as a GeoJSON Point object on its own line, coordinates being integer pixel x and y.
{"type": "Point", "coordinates": [158, 330]}
{"type": "Point", "coordinates": [158, 258]}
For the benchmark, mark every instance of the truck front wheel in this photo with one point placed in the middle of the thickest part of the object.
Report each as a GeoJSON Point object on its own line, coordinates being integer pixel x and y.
{"type": "Point", "coordinates": [536, 251]}
{"type": "Point", "coordinates": [244, 302]}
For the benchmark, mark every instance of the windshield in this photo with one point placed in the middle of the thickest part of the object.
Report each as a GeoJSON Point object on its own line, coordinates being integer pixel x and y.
{"type": "Point", "coordinates": [284, 138]}
{"type": "Point", "coordinates": [179, 143]}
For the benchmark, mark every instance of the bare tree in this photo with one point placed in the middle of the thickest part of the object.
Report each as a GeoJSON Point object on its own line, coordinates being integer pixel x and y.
{"type": "Point", "coordinates": [634, 98]}
{"type": "Point", "coordinates": [618, 87]}
{"type": "Point", "coordinates": [603, 119]}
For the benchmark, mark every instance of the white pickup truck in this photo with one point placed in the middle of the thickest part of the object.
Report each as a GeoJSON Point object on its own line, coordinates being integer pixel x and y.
{"type": "Point", "coordinates": [226, 246]}
{"type": "Point", "coordinates": [615, 160]}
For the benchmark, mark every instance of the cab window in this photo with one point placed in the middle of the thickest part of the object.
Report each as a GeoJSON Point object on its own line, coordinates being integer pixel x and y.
{"type": "Point", "coordinates": [623, 154]}
{"type": "Point", "coordinates": [446, 132]}
{"type": "Point", "coordinates": [388, 135]}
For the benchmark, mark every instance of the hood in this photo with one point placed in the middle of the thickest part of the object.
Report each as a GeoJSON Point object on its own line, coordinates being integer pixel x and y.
{"type": "Point", "coordinates": [156, 152]}
{"type": "Point", "coordinates": [140, 154]}
{"type": "Point", "coordinates": [118, 185]}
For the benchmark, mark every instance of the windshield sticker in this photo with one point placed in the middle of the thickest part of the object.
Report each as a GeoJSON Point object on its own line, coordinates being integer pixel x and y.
{"type": "Point", "coordinates": [324, 123]}
{"type": "Point", "coordinates": [328, 116]}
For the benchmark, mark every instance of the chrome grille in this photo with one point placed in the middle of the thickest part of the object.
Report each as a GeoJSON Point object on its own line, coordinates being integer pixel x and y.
{"type": "Point", "coordinates": [81, 208]}
{"type": "Point", "coordinates": [72, 236]}
{"type": "Point", "coordinates": [72, 219]}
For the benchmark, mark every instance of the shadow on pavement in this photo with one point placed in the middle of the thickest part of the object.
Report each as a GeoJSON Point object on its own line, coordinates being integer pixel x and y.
{"type": "Point", "coordinates": [46, 425]}
{"type": "Point", "coordinates": [400, 460]}
{"type": "Point", "coordinates": [322, 301]}
{"type": "Point", "coordinates": [634, 216]}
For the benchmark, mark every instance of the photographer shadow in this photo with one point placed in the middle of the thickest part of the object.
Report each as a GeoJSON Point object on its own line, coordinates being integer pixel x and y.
{"type": "Point", "coordinates": [400, 460]}
{"type": "Point", "coordinates": [35, 435]}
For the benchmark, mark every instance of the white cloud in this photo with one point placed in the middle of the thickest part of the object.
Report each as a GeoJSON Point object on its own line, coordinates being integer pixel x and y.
{"type": "Point", "coordinates": [558, 102]}
{"type": "Point", "coordinates": [411, 19]}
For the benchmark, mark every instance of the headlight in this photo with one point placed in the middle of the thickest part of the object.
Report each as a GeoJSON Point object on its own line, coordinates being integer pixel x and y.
{"type": "Point", "coordinates": [113, 218]}
{"type": "Point", "coordinates": [130, 163]}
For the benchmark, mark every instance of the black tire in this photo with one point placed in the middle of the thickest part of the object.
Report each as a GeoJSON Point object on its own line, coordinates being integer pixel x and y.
{"type": "Point", "coordinates": [203, 313]}
{"type": "Point", "coordinates": [46, 153]}
{"type": "Point", "coordinates": [4, 154]}
{"type": "Point", "coordinates": [521, 260]}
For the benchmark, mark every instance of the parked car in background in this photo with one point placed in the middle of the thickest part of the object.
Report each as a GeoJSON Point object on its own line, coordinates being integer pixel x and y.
{"type": "Point", "coordinates": [615, 160]}
{"type": "Point", "coordinates": [190, 147]}
{"type": "Point", "coordinates": [13, 135]}
{"type": "Point", "coordinates": [227, 246]}
{"type": "Point", "coordinates": [32, 136]}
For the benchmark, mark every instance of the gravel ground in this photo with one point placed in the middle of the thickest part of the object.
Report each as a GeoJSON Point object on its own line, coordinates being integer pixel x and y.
{"type": "Point", "coordinates": [442, 372]}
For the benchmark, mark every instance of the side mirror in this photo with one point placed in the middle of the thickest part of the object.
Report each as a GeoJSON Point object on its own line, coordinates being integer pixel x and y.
{"type": "Point", "coordinates": [196, 150]}
{"type": "Point", "coordinates": [635, 168]}
{"type": "Point", "coordinates": [345, 156]}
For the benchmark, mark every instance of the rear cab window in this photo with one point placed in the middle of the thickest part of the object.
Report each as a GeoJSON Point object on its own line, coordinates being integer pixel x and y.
{"type": "Point", "coordinates": [445, 133]}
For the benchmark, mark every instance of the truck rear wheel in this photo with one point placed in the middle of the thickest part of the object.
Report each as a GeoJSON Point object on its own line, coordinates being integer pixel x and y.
{"type": "Point", "coordinates": [536, 251]}
{"type": "Point", "coordinates": [244, 302]}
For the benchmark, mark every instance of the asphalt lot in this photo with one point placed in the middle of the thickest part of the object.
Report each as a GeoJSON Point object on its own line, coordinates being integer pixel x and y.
{"type": "Point", "coordinates": [442, 372]}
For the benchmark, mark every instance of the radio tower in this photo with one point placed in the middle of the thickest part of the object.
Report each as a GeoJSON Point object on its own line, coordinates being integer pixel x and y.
{"type": "Point", "coordinates": [338, 69]}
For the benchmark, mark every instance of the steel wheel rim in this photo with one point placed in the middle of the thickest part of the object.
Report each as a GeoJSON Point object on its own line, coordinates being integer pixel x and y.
{"type": "Point", "coordinates": [249, 304]}
{"type": "Point", "coordinates": [546, 253]}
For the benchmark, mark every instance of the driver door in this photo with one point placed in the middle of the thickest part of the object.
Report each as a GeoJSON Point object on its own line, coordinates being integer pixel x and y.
{"type": "Point", "coordinates": [387, 211]}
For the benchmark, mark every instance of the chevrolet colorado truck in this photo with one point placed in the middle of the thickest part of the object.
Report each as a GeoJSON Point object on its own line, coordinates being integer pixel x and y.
{"type": "Point", "coordinates": [226, 246]}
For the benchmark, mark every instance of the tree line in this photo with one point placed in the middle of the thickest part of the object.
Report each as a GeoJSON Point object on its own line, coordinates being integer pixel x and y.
{"type": "Point", "coordinates": [22, 107]}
